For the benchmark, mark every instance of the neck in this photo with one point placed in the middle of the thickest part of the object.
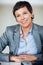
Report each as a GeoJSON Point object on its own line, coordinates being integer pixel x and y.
{"type": "Point", "coordinates": [25, 30]}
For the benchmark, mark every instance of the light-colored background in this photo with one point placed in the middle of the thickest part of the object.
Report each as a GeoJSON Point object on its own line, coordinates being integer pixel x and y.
{"type": "Point", "coordinates": [7, 18]}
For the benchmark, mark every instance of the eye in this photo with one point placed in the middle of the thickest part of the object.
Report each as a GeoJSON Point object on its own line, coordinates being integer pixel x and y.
{"type": "Point", "coordinates": [25, 13]}
{"type": "Point", "coordinates": [17, 15]}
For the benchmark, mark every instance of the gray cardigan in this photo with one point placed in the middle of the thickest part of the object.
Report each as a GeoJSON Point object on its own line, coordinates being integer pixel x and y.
{"type": "Point", "coordinates": [11, 38]}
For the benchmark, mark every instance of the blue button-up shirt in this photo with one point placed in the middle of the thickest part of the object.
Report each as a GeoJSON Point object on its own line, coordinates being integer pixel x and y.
{"type": "Point", "coordinates": [28, 45]}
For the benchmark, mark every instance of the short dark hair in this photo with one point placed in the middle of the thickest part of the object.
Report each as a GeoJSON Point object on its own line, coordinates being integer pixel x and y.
{"type": "Point", "coordinates": [21, 4]}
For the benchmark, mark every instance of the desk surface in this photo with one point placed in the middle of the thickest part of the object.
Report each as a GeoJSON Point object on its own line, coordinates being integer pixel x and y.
{"type": "Point", "coordinates": [10, 63]}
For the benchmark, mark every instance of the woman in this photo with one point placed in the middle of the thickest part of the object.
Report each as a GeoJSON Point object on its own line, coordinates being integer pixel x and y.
{"type": "Point", "coordinates": [24, 39]}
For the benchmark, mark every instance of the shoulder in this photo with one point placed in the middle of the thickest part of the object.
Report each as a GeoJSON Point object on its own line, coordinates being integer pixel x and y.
{"type": "Point", "coordinates": [39, 27]}
{"type": "Point", "coordinates": [13, 27]}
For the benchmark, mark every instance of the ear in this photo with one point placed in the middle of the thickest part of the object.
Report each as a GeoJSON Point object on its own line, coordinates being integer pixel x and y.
{"type": "Point", "coordinates": [32, 16]}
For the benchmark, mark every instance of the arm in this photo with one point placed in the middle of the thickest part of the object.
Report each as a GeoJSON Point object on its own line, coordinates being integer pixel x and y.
{"type": "Point", "coordinates": [3, 44]}
{"type": "Point", "coordinates": [40, 55]}
{"type": "Point", "coordinates": [4, 57]}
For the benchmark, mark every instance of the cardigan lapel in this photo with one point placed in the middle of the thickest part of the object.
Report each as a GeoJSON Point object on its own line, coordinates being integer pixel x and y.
{"type": "Point", "coordinates": [37, 38]}
{"type": "Point", "coordinates": [16, 39]}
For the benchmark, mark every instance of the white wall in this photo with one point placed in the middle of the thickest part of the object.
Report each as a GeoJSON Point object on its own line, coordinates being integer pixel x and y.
{"type": "Point", "coordinates": [7, 18]}
{"type": "Point", "coordinates": [34, 2]}
{"type": "Point", "coordinates": [38, 14]}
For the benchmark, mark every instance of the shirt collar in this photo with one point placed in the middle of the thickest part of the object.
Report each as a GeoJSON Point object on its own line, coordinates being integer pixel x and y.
{"type": "Point", "coordinates": [27, 33]}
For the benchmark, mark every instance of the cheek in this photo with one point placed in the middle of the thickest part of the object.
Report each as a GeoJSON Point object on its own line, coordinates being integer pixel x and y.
{"type": "Point", "coordinates": [18, 20]}
{"type": "Point", "coordinates": [28, 16]}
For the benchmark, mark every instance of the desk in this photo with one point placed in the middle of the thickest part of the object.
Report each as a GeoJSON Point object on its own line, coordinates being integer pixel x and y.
{"type": "Point", "coordinates": [10, 63]}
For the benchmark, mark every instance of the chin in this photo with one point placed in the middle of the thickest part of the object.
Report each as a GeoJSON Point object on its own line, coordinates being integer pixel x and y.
{"type": "Point", "coordinates": [25, 26]}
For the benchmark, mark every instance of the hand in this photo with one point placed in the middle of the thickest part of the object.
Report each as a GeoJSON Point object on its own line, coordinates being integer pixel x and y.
{"type": "Point", "coordinates": [16, 58]}
{"type": "Point", "coordinates": [21, 58]}
{"type": "Point", "coordinates": [28, 57]}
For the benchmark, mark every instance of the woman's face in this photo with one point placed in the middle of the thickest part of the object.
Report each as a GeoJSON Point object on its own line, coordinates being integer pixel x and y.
{"type": "Point", "coordinates": [23, 17]}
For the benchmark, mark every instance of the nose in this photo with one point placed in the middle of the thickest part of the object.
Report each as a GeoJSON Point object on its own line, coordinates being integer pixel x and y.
{"type": "Point", "coordinates": [22, 17]}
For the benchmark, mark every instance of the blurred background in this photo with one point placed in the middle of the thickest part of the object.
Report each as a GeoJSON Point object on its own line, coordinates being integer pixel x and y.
{"type": "Point", "coordinates": [7, 18]}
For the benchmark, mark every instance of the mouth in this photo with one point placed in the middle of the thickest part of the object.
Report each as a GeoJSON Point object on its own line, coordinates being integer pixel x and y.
{"type": "Point", "coordinates": [24, 22]}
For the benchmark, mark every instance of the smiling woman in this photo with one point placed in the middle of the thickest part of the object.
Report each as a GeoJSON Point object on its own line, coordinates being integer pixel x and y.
{"type": "Point", "coordinates": [25, 40]}
{"type": "Point", "coordinates": [23, 16]}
